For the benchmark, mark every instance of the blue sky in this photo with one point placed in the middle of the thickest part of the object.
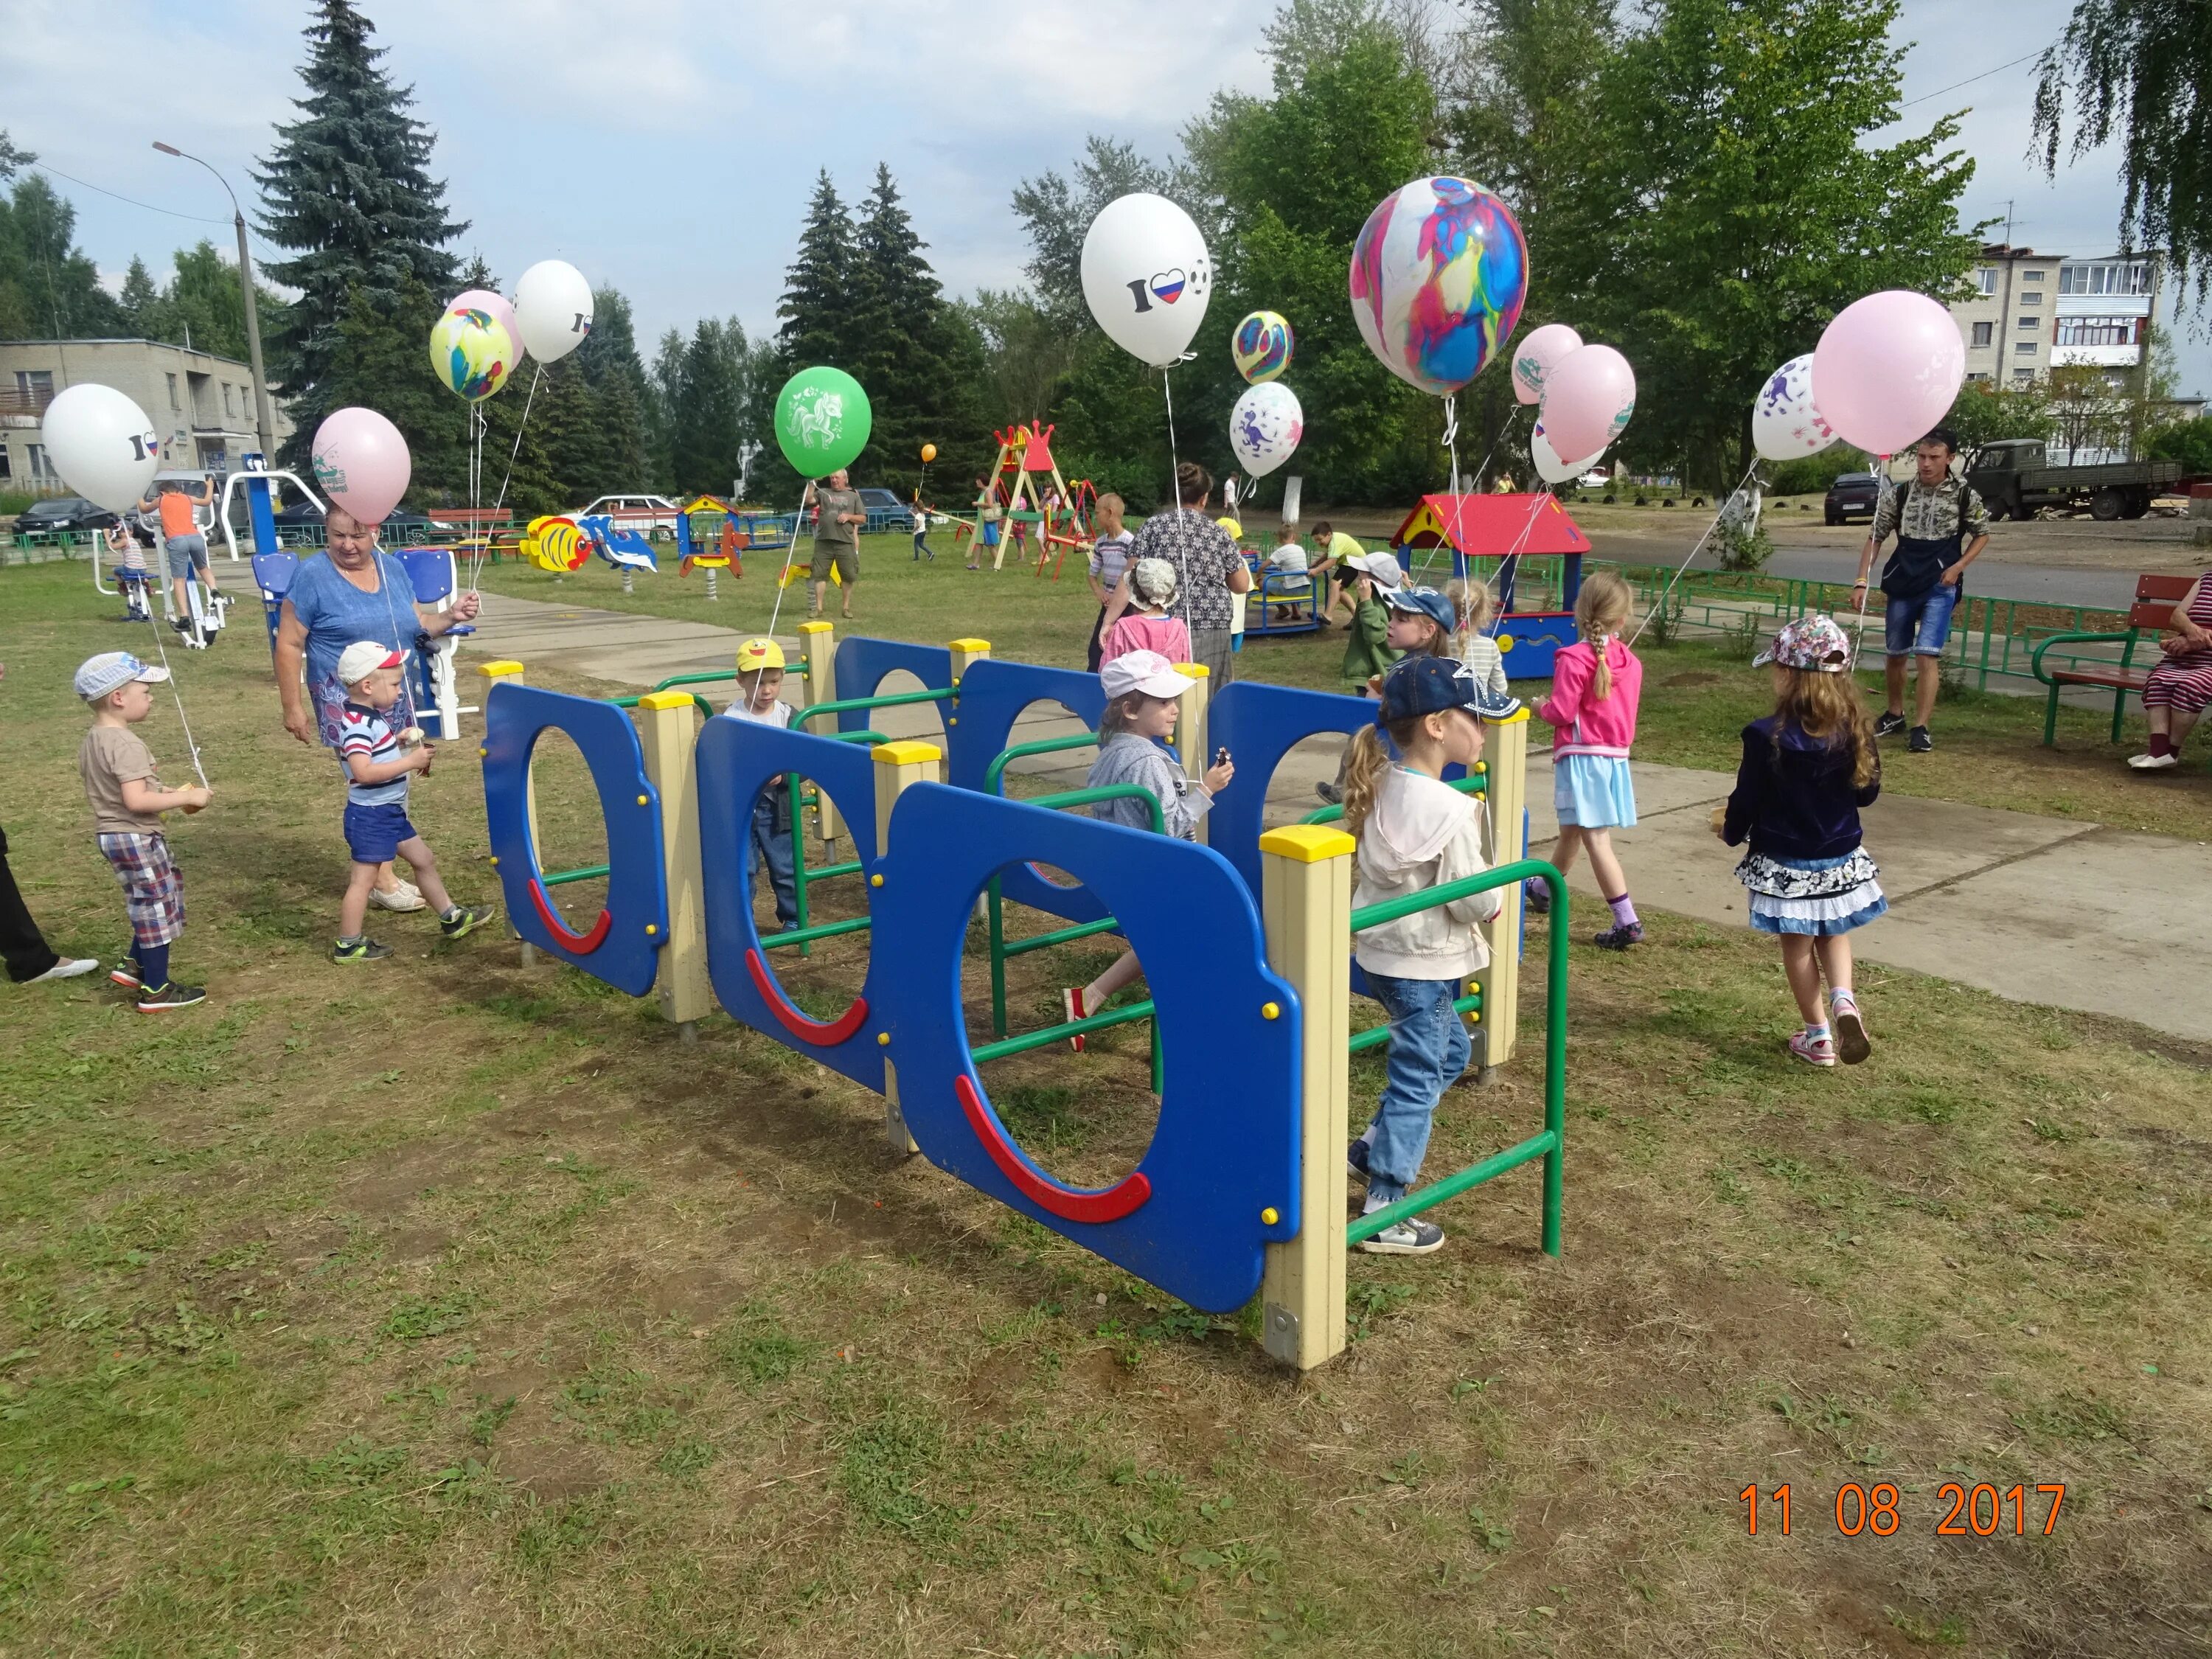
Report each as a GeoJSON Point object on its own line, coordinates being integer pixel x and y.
{"type": "Point", "coordinates": [669, 146]}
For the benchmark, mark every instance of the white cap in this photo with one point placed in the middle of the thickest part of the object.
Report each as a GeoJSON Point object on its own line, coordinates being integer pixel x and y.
{"type": "Point", "coordinates": [1381, 564]}
{"type": "Point", "coordinates": [363, 658]}
{"type": "Point", "coordinates": [1142, 670]}
{"type": "Point", "coordinates": [111, 671]}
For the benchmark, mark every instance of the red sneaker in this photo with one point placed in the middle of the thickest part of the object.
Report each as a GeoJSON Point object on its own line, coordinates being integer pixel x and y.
{"type": "Point", "coordinates": [1072, 1000]}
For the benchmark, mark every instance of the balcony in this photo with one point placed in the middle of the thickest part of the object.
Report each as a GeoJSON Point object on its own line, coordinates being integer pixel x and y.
{"type": "Point", "coordinates": [23, 408]}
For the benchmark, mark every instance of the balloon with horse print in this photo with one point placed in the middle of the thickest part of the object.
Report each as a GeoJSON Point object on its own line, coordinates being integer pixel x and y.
{"type": "Point", "coordinates": [823, 420]}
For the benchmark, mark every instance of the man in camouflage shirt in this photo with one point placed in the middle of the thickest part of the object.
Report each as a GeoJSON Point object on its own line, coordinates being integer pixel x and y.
{"type": "Point", "coordinates": [1942, 527]}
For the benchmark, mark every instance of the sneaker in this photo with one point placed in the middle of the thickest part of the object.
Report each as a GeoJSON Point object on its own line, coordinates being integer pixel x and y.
{"type": "Point", "coordinates": [1814, 1051]}
{"type": "Point", "coordinates": [1850, 1040]}
{"type": "Point", "coordinates": [160, 999]}
{"type": "Point", "coordinates": [1537, 896]}
{"type": "Point", "coordinates": [67, 968]}
{"type": "Point", "coordinates": [1071, 1003]}
{"type": "Point", "coordinates": [466, 920]}
{"type": "Point", "coordinates": [2155, 762]}
{"type": "Point", "coordinates": [126, 973]}
{"type": "Point", "coordinates": [360, 950]}
{"type": "Point", "coordinates": [1329, 793]}
{"type": "Point", "coordinates": [1888, 725]}
{"type": "Point", "coordinates": [1920, 742]}
{"type": "Point", "coordinates": [1355, 1157]}
{"type": "Point", "coordinates": [1618, 939]}
{"type": "Point", "coordinates": [1412, 1236]}
{"type": "Point", "coordinates": [403, 897]}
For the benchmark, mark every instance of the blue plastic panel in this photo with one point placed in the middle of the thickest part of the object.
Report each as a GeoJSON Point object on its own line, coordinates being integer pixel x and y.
{"type": "Point", "coordinates": [622, 948]}
{"type": "Point", "coordinates": [863, 663]}
{"type": "Point", "coordinates": [993, 695]}
{"type": "Point", "coordinates": [1258, 725]}
{"type": "Point", "coordinates": [1187, 1219]}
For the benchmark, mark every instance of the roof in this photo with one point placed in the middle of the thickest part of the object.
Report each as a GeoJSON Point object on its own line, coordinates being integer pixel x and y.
{"type": "Point", "coordinates": [156, 346]}
{"type": "Point", "coordinates": [1490, 526]}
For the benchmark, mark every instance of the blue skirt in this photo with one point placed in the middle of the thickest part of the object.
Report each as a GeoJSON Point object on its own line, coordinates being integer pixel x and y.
{"type": "Point", "coordinates": [1594, 792]}
{"type": "Point", "coordinates": [1821, 898]}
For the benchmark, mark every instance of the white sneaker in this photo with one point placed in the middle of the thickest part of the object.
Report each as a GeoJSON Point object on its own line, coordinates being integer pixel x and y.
{"type": "Point", "coordinates": [1412, 1236]}
{"type": "Point", "coordinates": [2155, 762]}
{"type": "Point", "coordinates": [67, 968]}
{"type": "Point", "coordinates": [403, 897]}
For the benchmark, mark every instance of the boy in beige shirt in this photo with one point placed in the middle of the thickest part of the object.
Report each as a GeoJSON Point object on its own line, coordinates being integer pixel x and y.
{"type": "Point", "coordinates": [127, 802]}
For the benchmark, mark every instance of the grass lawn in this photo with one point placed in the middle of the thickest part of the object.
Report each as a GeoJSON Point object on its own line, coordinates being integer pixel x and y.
{"type": "Point", "coordinates": [1697, 696]}
{"type": "Point", "coordinates": [448, 1307]}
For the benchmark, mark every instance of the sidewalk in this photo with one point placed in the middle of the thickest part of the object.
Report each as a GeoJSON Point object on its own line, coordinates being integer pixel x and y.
{"type": "Point", "coordinates": [2042, 910]}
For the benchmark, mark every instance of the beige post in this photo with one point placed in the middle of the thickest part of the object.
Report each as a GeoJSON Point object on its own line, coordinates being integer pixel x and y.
{"type": "Point", "coordinates": [897, 765]}
{"type": "Point", "coordinates": [1190, 725]}
{"type": "Point", "coordinates": [817, 649]}
{"type": "Point", "coordinates": [1305, 886]}
{"type": "Point", "coordinates": [669, 725]}
{"type": "Point", "coordinates": [511, 672]}
{"type": "Point", "coordinates": [1506, 754]}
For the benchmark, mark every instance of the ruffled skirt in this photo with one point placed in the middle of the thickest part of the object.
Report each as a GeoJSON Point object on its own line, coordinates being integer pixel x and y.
{"type": "Point", "coordinates": [1819, 897]}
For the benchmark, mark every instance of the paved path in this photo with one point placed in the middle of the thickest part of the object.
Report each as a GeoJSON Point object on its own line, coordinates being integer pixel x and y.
{"type": "Point", "coordinates": [2042, 910]}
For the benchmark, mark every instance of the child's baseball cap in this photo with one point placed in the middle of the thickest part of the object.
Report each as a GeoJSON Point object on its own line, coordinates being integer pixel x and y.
{"type": "Point", "coordinates": [1815, 642]}
{"type": "Point", "coordinates": [363, 658]}
{"type": "Point", "coordinates": [1425, 602]}
{"type": "Point", "coordinates": [111, 671]}
{"type": "Point", "coordinates": [1429, 685]}
{"type": "Point", "coordinates": [1382, 564]}
{"type": "Point", "coordinates": [757, 656]}
{"type": "Point", "coordinates": [1142, 670]}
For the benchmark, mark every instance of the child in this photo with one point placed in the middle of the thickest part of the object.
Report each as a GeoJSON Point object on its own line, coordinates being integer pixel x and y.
{"type": "Point", "coordinates": [1807, 769]}
{"type": "Point", "coordinates": [1415, 833]}
{"type": "Point", "coordinates": [1420, 625]}
{"type": "Point", "coordinates": [1475, 605]}
{"type": "Point", "coordinates": [377, 761]}
{"type": "Point", "coordinates": [1109, 558]}
{"type": "Point", "coordinates": [127, 802]}
{"type": "Point", "coordinates": [1144, 694]}
{"type": "Point", "coordinates": [1146, 625]}
{"type": "Point", "coordinates": [1287, 571]}
{"type": "Point", "coordinates": [987, 516]}
{"type": "Point", "coordinates": [1366, 655]}
{"type": "Point", "coordinates": [131, 575]}
{"type": "Point", "coordinates": [760, 678]}
{"type": "Point", "coordinates": [1337, 551]}
{"type": "Point", "coordinates": [1595, 686]}
{"type": "Point", "coordinates": [921, 516]}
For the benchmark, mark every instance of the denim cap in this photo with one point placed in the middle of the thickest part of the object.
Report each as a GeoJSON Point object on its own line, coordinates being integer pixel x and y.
{"type": "Point", "coordinates": [1425, 601]}
{"type": "Point", "coordinates": [1815, 642]}
{"type": "Point", "coordinates": [1429, 685]}
{"type": "Point", "coordinates": [111, 671]}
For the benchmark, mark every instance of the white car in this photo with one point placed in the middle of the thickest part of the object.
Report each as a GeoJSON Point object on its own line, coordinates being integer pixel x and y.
{"type": "Point", "coordinates": [656, 515]}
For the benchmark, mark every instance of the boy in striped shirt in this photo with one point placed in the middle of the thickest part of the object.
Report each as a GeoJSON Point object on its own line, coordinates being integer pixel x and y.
{"type": "Point", "coordinates": [378, 764]}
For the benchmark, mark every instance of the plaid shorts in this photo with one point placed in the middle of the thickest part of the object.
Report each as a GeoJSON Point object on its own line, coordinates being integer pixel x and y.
{"type": "Point", "coordinates": [152, 892]}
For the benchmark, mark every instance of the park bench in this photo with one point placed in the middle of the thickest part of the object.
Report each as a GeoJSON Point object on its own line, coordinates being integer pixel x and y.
{"type": "Point", "coordinates": [2155, 597]}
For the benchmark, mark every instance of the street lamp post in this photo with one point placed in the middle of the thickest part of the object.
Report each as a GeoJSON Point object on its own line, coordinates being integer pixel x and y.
{"type": "Point", "coordinates": [264, 426]}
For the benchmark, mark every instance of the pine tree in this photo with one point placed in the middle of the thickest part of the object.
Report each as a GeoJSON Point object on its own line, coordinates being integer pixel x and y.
{"type": "Point", "coordinates": [348, 189]}
{"type": "Point", "coordinates": [609, 362]}
{"type": "Point", "coordinates": [564, 423]}
{"type": "Point", "coordinates": [707, 451]}
{"type": "Point", "coordinates": [140, 301]}
{"type": "Point", "coordinates": [816, 306]}
{"type": "Point", "coordinates": [378, 361]}
{"type": "Point", "coordinates": [663, 396]}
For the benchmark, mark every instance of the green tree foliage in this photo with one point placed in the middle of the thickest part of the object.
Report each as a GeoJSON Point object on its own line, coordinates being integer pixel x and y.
{"type": "Point", "coordinates": [139, 298]}
{"type": "Point", "coordinates": [377, 360]}
{"type": "Point", "coordinates": [709, 404]}
{"type": "Point", "coordinates": [817, 300]}
{"type": "Point", "coordinates": [48, 288]}
{"type": "Point", "coordinates": [348, 189]}
{"type": "Point", "coordinates": [2141, 71]}
{"type": "Point", "coordinates": [2189, 442]}
{"type": "Point", "coordinates": [1986, 411]}
{"type": "Point", "coordinates": [609, 363]}
{"type": "Point", "coordinates": [202, 304]}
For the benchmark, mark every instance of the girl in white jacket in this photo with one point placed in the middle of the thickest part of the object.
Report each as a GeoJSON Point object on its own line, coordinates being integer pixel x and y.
{"type": "Point", "coordinates": [1415, 833]}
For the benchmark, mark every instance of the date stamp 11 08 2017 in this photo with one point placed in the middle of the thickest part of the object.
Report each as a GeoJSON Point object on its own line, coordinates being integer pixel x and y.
{"type": "Point", "coordinates": [1983, 1511]}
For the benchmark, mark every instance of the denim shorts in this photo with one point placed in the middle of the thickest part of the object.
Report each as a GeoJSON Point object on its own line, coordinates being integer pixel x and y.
{"type": "Point", "coordinates": [1918, 626]}
{"type": "Point", "coordinates": [184, 553]}
{"type": "Point", "coordinates": [374, 832]}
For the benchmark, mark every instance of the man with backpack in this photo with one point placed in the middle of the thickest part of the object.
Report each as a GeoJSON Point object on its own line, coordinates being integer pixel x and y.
{"type": "Point", "coordinates": [1942, 527]}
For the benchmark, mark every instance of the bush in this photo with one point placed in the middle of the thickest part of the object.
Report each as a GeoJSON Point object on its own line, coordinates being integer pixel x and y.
{"type": "Point", "coordinates": [1813, 474]}
{"type": "Point", "coordinates": [1739, 640]}
{"type": "Point", "coordinates": [12, 502]}
{"type": "Point", "coordinates": [2189, 442]}
{"type": "Point", "coordinates": [1742, 548]}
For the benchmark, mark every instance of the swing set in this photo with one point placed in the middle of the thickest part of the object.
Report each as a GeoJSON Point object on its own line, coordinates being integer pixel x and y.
{"type": "Point", "coordinates": [1062, 512]}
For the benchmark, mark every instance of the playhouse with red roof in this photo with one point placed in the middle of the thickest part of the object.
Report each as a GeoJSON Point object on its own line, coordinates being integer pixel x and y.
{"type": "Point", "coordinates": [1488, 537]}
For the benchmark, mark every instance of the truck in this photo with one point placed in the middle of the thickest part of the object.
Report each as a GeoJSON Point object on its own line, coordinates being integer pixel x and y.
{"type": "Point", "coordinates": [2015, 478]}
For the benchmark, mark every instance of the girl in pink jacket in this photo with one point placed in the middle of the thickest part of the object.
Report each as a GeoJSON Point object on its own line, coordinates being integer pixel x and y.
{"type": "Point", "coordinates": [1595, 687]}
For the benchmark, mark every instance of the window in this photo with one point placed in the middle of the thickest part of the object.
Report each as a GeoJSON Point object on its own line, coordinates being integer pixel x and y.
{"type": "Point", "coordinates": [2098, 331]}
{"type": "Point", "coordinates": [2026, 348]}
{"type": "Point", "coordinates": [173, 402]}
{"type": "Point", "coordinates": [2031, 299]}
{"type": "Point", "coordinates": [37, 457]}
{"type": "Point", "coordinates": [35, 382]}
{"type": "Point", "coordinates": [1985, 279]}
{"type": "Point", "coordinates": [2031, 276]}
{"type": "Point", "coordinates": [2029, 322]}
{"type": "Point", "coordinates": [1983, 332]}
{"type": "Point", "coordinates": [1982, 374]}
{"type": "Point", "coordinates": [2023, 377]}
{"type": "Point", "coordinates": [7, 463]}
{"type": "Point", "coordinates": [2114, 278]}
{"type": "Point", "coordinates": [229, 406]}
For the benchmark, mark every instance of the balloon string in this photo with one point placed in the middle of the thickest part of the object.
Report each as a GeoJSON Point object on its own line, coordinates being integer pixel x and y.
{"type": "Point", "coordinates": [1858, 640]}
{"type": "Point", "coordinates": [476, 560]}
{"type": "Point", "coordinates": [177, 691]}
{"type": "Point", "coordinates": [1510, 563]}
{"type": "Point", "coordinates": [1174, 471]}
{"type": "Point", "coordinates": [1679, 569]}
{"type": "Point", "coordinates": [1428, 554]}
{"type": "Point", "coordinates": [783, 579]}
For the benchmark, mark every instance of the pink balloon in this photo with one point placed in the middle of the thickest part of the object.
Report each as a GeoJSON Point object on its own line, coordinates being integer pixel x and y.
{"type": "Point", "coordinates": [482, 299]}
{"type": "Point", "coordinates": [361, 463]}
{"type": "Point", "coordinates": [1587, 398]}
{"type": "Point", "coordinates": [1887, 369]}
{"type": "Point", "coordinates": [1535, 357]}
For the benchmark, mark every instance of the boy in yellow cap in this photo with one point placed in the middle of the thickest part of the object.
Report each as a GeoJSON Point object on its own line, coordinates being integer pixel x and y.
{"type": "Point", "coordinates": [760, 678]}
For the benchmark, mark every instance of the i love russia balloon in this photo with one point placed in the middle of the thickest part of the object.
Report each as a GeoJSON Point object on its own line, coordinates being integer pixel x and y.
{"type": "Point", "coordinates": [1438, 276]}
{"type": "Point", "coordinates": [1146, 276]}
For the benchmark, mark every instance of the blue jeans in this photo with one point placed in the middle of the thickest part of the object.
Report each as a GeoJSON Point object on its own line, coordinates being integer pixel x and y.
{"type": "Point", "coordinates": [1428, 1049]}
{"type": "Point", "coordinates": [773, 843]}
{"type": "Point", "coordinates": [1917, 626]}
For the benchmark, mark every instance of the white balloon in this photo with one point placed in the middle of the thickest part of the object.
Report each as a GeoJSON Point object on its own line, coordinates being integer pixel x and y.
{"type": "Point", "coordinates": [1785, 424]}
{"type": "Point", "coordinates": [1265, 426]}
{"type": "Point", "coordinates": [553, 305]}
{"type": "Point", "coordinates": [1534, 358]}
{"type": "Point", "coordinates": [102, 445]}
{"type": "Point", "coordinates": [1549, 467]}
{"type": "Point", "coordinates": [1146, 276]}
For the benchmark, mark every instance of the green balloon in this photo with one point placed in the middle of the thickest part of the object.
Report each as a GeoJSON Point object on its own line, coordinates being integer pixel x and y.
{"type": "Point", "coordinates": [821, 421]}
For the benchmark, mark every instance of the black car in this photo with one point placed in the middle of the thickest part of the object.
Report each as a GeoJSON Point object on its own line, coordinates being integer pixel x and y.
{"type": "Point", "coordinates": [302, 522]}
{"type": "Point", "coordinates": [1853, 495]}
{"type": "Point", "coordinates": [64, 513]}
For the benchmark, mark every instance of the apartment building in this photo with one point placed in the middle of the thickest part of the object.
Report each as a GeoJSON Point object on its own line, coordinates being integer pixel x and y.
{"type": "Point", "coordinates": [2008, 322]}
{"type": "Point", "coordinates": [2105, 309]}
{"type": "Point", "coordinates": [201, 406]}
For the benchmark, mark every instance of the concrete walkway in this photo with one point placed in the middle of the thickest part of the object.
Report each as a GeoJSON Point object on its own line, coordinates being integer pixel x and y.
{"type": "Point", "coordinates": [2042, 910]}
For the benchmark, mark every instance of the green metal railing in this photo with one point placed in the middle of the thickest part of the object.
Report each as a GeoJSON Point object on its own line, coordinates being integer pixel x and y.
{"type": "Point", "coordinates": [1551, 1144]}
{"type": "Point", "coordinates": [994, 784]}
{"type": "Point", "coordinates": [843, 705]}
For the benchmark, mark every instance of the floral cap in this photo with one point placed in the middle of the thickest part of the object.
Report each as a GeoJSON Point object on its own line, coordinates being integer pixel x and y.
{"type": "Point", "coordinates": [1815, 643]}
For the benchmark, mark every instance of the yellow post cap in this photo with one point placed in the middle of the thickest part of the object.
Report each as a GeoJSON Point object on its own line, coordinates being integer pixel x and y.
{"type": "Point", "coordinates": [757, 655]}
{"type": "Point", "coordinates": [971, 647]}
{"type": "Point", "coordinates": [664, 700]}
{"type": "Point", "coordinates": [493, 671]}
{"type": "Point", "coordinates": [906, 751]}
{"type": "Point", "coordinates": [817, 626]}
{"type": "Point", "coordinates": [1308, 843]}
{"type": "Point", "coordinates": [1195, 670]}
{"type": "Point", "coordinates": [1518, 717]}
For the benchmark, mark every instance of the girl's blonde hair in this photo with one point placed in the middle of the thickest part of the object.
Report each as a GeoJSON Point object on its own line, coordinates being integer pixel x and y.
{"type": "Point", "coordinates": [1602, 611]}
{"type": "Point", "coordinates": [1827, 709]}
{"type": "Point", "coordinates": [1472, 598]}
{"type": "Point", "coordinates": [1369, 760]}
{"type": "Point", "coordinates": [1153, 582]}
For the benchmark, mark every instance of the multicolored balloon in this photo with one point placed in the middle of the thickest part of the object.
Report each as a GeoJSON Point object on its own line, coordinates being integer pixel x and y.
{"type": "Point", "coordinates": [1265, 426]}
{"type": "Point", "coordinates": [1785, 424]}
{"type": "Point", "coordinates": [1262, 346]}
{"type": "Point", "coordinates": [482, 299]}
{"type": "Point", "coordinates": [471, 352]}
{"type": "Point", "coordinates": [1438, 276]}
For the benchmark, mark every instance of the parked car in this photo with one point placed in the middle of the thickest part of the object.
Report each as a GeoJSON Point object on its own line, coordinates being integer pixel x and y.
{"type": "Point", "coordinates": [653, 516]}
{"type": "Point", "coordinates": [1853, 495]}
{"type": "Point", "coordinates": [886, 513]}
{"type": "Point", "coordinates": [302, 521]}
{"type": "Point", "coordinates": [2014, 475]}
{"type": "Point", "coordinates": [62, 513]}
